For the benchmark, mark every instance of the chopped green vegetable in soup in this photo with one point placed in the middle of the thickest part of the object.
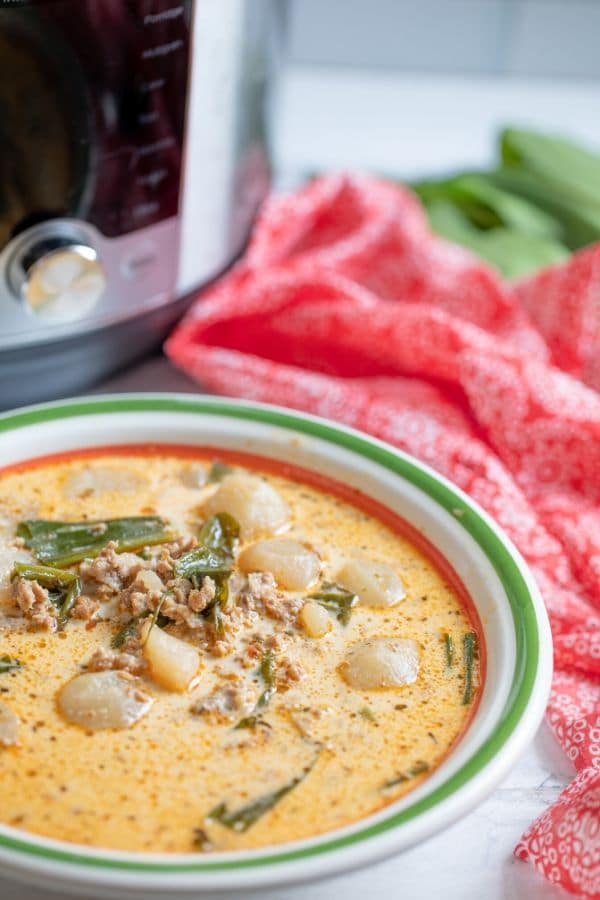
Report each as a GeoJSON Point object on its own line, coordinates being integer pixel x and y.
{"type": "Point", "coordinates": [64, 543]}
{"type": "Point", "coordinates": [242, 819]}
{"type": "Point", "coordinates": [470, 651]}
{"type": "Point", "coordinates": [337, 600]}
{"type": "Point", "coordinates": [63, 588]}
{"type": "Point", "coordinates": [234, 656]}
{"type": "Point", "coordinates": [218, 471]}
{"type": "Point", "coordinates": [9, 665]}
{"type": "Point", "coordinates": [419, 768]}
{"type": "Point", "coordinates": [123, 634]}
{"type": "Point", "coordinates": [449, 645]}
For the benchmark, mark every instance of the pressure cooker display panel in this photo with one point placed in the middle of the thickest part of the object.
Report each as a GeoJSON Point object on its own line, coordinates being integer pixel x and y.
{"type": "Point", "coordinates": [92, 108]}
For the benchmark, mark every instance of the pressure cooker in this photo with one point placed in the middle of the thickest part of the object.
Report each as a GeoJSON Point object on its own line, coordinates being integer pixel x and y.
{"type": "Point", "coordinates": [133, 160]}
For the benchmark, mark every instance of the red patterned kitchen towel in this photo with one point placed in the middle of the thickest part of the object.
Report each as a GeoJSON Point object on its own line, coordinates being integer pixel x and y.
{"type": "Point", "coordinates": [346, 305]}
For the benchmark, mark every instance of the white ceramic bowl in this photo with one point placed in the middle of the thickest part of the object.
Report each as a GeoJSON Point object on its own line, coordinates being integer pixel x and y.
{"type": "Point", "coordinates": [517, 637]}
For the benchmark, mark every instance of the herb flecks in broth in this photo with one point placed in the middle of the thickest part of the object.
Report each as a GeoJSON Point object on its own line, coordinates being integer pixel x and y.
{"type": "Point", "coordinates": [419, 768]}
{"type": "Point", "coordinates": [189, 640]}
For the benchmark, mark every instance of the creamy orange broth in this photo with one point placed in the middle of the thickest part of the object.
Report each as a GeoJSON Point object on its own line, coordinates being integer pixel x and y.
{"type": "Point", "coordinates": [150, 787]}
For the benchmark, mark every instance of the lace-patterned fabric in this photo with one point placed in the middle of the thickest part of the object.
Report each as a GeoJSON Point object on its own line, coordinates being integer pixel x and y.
{"type": "Point", "coordinates": [346, 306]}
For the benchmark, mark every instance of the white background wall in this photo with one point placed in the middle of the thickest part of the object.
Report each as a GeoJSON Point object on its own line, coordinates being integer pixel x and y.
{"type": "Point", "coordinates": [522, 38]}
{"type": "Point", "coordinates": [412, 88]}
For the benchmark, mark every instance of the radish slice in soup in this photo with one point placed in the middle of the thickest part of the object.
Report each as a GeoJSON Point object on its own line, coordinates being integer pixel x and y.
{"type": "Point", "coordinates": [193, 476]}
{"type": "Point", "coordinates": [381, 663]}
{"type": "Point", "coordinates": [292, 564]}
{"type": "Point", "coordinates": [9, 555]}
{"type": "Point", "coordinates": [90, 482]}
{"type": "Point", "coordinates": [173, 663]}
{"type": "Point", "coordinates": [100, 700]}
{"type": "Point", "coordinates": [252, 502]}
{"type": "Point", "coordinates": [9, 726]}
{"type": "Point", "coordinates": [315, 620]}
{"type": "Point", "coordinates": [376, 584]}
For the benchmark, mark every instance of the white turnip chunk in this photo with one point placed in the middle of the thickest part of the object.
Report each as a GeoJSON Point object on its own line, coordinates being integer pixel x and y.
{"type": "Point", "coordinates": [381, 663]}
{"type": "Point", "coordinates": [95, 480]}
{"type": "Point", "coordinates": [315, 620]}
{"type": "Point", "coordinates": [173, 663]}
{"type": "Point", "coordinates": [293, 565]}
{"type": "Point", "coordinates": [252, 502]}
{"type": "Point", "coordinates": [376, 584]}
{"type": "Point", "coordinates": [9, 726]}
{"type": "Point", "coordinates": [98, 700]}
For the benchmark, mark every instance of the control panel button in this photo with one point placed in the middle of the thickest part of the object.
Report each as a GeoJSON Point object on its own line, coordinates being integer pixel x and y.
{"type": "Point", "coordinates": [63, 284]}
{"type": "Point", "coordinates": [139, 261]}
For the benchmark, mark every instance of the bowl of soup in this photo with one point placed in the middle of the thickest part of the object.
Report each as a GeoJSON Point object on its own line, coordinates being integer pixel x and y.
{"type": "Point", "coordinates": [243, 647]}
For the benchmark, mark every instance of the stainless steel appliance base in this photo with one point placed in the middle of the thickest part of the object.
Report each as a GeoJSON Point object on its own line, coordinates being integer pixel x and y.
{"type": "Point", "coordinates": [71, 365]}
{"type": "Point", "coordinates": [48, 371]}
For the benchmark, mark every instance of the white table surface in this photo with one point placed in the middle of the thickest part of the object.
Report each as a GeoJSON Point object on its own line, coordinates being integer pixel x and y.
{"type": "Point", "coordinates": [473, 859]}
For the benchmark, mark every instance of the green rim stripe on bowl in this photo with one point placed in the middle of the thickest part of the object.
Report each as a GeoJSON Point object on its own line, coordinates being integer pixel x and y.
{"type": "Point", "coordinates": [521, 603]}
